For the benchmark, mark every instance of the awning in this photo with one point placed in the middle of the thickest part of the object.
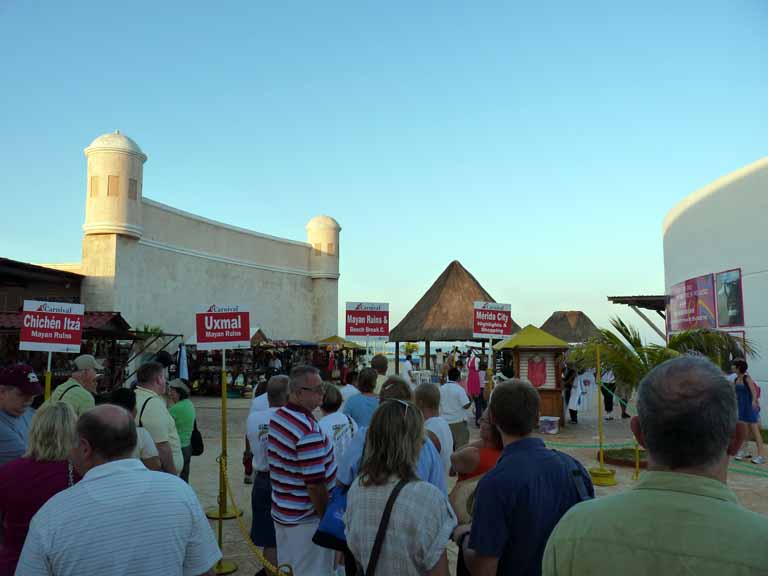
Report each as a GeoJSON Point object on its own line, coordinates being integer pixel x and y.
{"type": "Point", "coordinates": [338, 341]}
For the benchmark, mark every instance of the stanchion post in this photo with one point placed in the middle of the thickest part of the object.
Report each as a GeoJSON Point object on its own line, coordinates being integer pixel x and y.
{"type": "Point", "coordinates": [48, 378]}
{"type": "Point", "coordinates": [221, 512]}
{"type": "Point", "coordinates": [636, 475]}
{"type": "Point", "coordinates": [601, 476]}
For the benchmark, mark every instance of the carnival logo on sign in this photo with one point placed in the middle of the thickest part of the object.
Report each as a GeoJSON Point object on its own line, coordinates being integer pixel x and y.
{"type": "Point", "coordinates": [222, 309]}
{"type": "Point", "coordinates": [55, 308]}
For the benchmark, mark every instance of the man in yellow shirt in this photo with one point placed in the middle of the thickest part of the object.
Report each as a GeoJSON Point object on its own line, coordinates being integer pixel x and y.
{"type": "Point", "coordinates": [78, 391]}
{"type": "Point", "coordinates": [152, 414]}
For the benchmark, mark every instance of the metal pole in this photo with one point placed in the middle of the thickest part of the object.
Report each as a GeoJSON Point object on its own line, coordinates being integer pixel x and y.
{"type": "Point", "coordinates": [599, 378]}
{"type": "Point", "coordinates": [48, 378]}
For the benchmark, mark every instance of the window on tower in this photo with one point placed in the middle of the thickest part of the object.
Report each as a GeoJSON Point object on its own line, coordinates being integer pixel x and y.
{"type": "Point", "coordinates": [113, 183]}
{"type": "Point", "coordinates": [94, 186]}
{"type": "Point", "coordinates": [331, 248]}
{"type": "Point", "coordinates": [133, 188]}
{"type": "Point", "coordinates": [318, 249]}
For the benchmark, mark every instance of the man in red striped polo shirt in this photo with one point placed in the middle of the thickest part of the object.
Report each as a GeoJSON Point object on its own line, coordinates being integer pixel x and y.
{"type": "Point", "coordinates": [302, 469]}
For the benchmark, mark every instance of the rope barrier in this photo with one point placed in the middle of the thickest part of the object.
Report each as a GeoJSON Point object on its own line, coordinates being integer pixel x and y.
{"type": "Point", "coordinates": [283, 569]}
{"type": "Point", "coordinates": [743, 469]}
{"type": "Point", "coordinates": [566, 445]}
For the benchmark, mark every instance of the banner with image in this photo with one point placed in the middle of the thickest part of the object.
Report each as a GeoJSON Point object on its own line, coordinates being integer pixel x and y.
{"type": "Point", "coordinates": [730, 299]}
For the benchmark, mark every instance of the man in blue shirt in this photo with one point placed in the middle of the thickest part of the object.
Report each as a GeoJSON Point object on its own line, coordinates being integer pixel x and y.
{"type": "Point", "coordinates": [18, 387]}
{"type": "Point", "coordinates": [519, 502]}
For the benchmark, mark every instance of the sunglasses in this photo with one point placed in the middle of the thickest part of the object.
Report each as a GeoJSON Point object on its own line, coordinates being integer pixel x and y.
{"type": "Point", "coordinates": [403, 402]}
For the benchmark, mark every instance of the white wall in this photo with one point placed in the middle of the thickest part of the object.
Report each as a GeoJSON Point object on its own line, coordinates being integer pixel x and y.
{"type": "Point", "coordinates": [183, 261]}
{"type": "Point", "coordinates": [725, 226]}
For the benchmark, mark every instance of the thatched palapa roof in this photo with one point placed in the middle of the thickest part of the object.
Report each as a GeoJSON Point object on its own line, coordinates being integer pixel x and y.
{"type": "Point", "coordinates": [573, 326]}
{"type": "Point", "coordinates": [445, 312]}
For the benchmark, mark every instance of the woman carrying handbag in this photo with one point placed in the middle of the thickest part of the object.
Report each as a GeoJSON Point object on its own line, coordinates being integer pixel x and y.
{"type": "Point", "coordinates": [395, 523]}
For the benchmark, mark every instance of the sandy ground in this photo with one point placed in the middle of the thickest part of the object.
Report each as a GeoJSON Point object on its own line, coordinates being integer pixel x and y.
{"type": "Point", "coordinates": [751, 490]}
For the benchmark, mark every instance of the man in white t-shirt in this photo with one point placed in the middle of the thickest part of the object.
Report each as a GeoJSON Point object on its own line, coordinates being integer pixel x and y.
{"type": "Point", "coordinates": [427, 398]}
{"type": "Point", "coordinates": [406, 370]}
{"type": "Point", "coordinates": [453, 405]}
{"type": "Point", "coordinates": [257, 431]}
{"type": "Point", "coordinates": [340, 428]}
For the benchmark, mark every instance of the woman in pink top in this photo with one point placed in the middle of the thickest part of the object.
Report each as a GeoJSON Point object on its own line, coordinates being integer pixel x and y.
{"type": "Point", "coordinates": [473, 385]}
{"type": "Point", "coordinates": [30, 481]}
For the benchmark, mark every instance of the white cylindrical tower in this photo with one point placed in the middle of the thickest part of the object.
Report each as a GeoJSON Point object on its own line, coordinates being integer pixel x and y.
{"type": "Point", "coordinates": [115, 174]}
{"type": "Point", "coordinates": [323, 235]}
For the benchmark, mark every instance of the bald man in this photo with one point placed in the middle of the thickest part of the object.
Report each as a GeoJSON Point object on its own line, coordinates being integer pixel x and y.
{"type": "Point", "coordinates": [121, 518]}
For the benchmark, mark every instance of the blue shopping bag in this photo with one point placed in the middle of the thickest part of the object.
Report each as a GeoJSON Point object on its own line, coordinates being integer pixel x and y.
{"type": "Point", "coordinates": [330, 532]}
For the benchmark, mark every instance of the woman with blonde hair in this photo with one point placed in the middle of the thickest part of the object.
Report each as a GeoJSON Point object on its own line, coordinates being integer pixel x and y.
{"type": "Point", "coordinates": [30, 481]}
{"type": "Point", "coordinates": [395, 523]}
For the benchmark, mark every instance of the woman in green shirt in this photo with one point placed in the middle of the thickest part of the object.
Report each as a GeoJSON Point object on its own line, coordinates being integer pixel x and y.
{"type": "Point", "coordinates": [183, 412]}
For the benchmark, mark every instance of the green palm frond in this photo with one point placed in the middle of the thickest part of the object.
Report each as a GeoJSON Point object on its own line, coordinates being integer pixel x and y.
{"type": "Point", "coordinates": [623, 351]}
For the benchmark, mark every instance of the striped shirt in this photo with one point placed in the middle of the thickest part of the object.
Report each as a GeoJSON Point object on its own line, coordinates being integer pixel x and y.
{"type": "Point", "coordinates": [299, 454]}
{"type": "Point", "coordinates": [122, 520]}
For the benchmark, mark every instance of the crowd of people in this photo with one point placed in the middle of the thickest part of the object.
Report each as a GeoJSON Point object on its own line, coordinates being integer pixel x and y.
{"type": "Point", "coordinates": [95, 489]}
{"type": "Point", "coordinates": [88, 485]}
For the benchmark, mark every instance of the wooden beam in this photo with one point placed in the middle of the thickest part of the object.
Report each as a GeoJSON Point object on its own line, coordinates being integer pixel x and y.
{"type": "Point", "coordinates": [648, 321]}
{"type": "Point", "coordinates": [397, 357]}
{"type": "Point", "coordinates": [426, 353]}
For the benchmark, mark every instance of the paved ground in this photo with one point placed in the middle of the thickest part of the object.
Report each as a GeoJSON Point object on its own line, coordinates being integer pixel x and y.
{"type": "Point", "coordinates": [751, 490]}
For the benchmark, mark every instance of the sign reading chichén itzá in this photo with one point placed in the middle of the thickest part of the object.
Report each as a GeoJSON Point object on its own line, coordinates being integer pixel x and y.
{"type": "Point", "coordinates": [221, 327]}
{"type": "Point", "coordinates": [51, 326]}
{"type": "Point", "coordinates": [367, 319]}
{"type": "Point", "coordinates": [492, 320]}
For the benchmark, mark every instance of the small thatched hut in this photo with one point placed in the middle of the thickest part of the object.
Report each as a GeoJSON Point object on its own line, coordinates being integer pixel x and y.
{"type": "Point", "coordinates": [573, 326]}
{"type": "Point", "coordinates": [445, 312]}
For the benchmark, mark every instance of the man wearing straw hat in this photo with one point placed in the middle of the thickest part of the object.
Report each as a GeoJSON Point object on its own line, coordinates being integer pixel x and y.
{"type": "Point", "coordinates": [681, 518]}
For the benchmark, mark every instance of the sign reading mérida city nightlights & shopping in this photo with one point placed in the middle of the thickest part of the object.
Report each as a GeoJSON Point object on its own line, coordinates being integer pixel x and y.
{"type": "Point", "coordinates": [51, 326]}
{"type": "Point", "coordinates": [222, 327]}
{"type": "Point", "coordinates": [492, 320]}
{"type": "Point", "coordinates": [367, 320]}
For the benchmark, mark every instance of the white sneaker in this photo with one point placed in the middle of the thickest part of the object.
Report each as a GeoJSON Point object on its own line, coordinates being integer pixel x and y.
{"type": "Point", "coordinates": [609, 418]}
{"type": "Point", "coordinates": [758, 460]}
{"type": "Point", "coordinates": [742, 455]}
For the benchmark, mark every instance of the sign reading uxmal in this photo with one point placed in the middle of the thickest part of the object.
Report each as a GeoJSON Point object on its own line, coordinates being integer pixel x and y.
{"type": "Point", "coordinates": [51, 326]}
{"type": "Point", "coordinates": [492, 320]}
{"type": "Point", "coordinates": [222, 327]}
{"type": "Point", "coordinates": [367, 319]}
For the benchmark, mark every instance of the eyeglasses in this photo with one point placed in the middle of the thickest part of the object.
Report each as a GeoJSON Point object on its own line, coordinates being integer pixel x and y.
{"type": "Point", "coordinates": [316, 389]}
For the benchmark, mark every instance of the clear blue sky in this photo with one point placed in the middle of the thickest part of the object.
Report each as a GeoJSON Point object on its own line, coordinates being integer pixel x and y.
{"type": "Point", "coordinates": [541, 144]}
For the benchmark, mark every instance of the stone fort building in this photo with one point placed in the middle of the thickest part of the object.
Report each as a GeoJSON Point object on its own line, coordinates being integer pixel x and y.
{"type": "Point", "coordinates": [156, 264]}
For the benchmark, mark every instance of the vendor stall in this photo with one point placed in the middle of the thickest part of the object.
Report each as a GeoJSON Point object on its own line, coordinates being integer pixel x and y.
{"type": "Point", "coordinates": [537, 356]}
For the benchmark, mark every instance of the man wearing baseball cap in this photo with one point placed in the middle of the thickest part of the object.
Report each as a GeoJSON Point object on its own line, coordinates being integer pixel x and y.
{"type": "Point", "coordinates": [18, 387]}
{"type": "Point", "coordinates": [79, 390]}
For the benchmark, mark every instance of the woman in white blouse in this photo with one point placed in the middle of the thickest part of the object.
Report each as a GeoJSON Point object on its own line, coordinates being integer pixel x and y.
{"type": "Point", "coordinates": [421, 521]}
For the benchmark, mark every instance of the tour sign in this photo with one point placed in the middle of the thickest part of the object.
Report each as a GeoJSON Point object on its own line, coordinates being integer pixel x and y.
{"type": "Point", "coordinates": [367, 320]}
{"type": "Point", "coordinates": [492, 320]}
{"type": "Point", "coordinates": [51, 326]}
{"type": "Point", "coordinates": [222, 327]}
